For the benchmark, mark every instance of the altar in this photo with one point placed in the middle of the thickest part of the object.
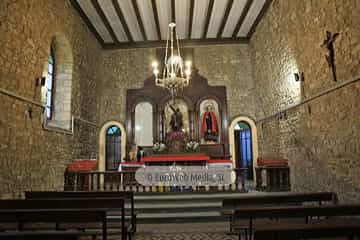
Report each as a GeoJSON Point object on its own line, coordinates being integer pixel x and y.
{"type": "Point", "coordinates": [176, 159]}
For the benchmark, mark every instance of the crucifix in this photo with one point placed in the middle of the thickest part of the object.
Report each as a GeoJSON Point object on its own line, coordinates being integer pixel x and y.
{"type": "Point", "coordinates": [328, 44]}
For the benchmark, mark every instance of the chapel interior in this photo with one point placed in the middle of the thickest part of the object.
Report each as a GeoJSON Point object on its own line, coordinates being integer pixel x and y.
{"type": "Point", "coordinates": [91, 91]}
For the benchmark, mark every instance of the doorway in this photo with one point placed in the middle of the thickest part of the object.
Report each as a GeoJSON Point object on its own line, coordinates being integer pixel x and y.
{"type": "Point", "coordinates": [244, 148]}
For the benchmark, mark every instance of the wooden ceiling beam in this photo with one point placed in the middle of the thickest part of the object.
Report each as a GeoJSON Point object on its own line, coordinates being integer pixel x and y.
{"type": "Point", "coordinates": [191, 16]}
{"type": "Point", "coordinates": [184, 43]}
{"type": "Point", "coordinates": [138, 16]}
{"type": "Point", "coordinates": [87, 21]}
{"type": "Point", "coordinates": [156, 17]}
{"type": "Point", "coordinates": [259, 17]}
{"type": "Point", "coordinates": [208, 17]}
{"type": "Point", "coordinates": [122, 20]}
{"type": "Point", "coordinates": [225, 18]}
{"type": "Point", "coordinates": [103, 17]}
{"type": "Point", "coordinates": [242, 17]}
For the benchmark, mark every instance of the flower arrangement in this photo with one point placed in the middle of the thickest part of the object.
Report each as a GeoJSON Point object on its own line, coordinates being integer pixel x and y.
{"type": "Point", "coordinates": [192, 146]}
{"type": "Point", "coordinates": [176, 136]}
{"type": "Point", "coordinates": [158, 147]}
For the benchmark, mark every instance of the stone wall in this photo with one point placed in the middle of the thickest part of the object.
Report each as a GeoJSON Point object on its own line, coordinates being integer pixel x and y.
{"type": "Point", "coordinates": [321, 138]}
{"type": "Point", "coordinates": [228, 65]}
{"type": "Point", "coordinates": [31, 157]}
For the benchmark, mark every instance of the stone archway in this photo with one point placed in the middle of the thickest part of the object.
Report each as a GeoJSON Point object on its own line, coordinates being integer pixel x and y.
{"type": "Point", "coordinates": [255, 148]}
{"type": "Point", "coordinates": [102, 143]}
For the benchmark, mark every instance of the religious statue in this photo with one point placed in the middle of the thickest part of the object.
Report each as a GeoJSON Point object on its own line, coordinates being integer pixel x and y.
{"type": "Point", "coordinates": [209, 127]}
{"type": "Point", "coordinates": [176, 138]}
{"type": "Point", "coordinates": [176, 121]}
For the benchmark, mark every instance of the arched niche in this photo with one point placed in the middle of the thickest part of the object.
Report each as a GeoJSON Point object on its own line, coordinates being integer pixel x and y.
{"type": "Point", "coordinates": [255, 148]}
{"type": "Point", "coordinates": [102, 143]}
{"type": "Point", "coordinates": [169, 110]}
{"type": "Point", "coordinates": [144, 124]}
{"type": "Point", "coordinates": [209, 105]}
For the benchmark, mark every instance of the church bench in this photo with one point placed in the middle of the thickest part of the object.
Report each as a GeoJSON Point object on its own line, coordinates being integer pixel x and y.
{"type": "Point", "coordinates": [22, 216]}
{"type": "Point", "coordinates": [40, 235]}
{"type": "Point", "coordinates": [275, 199]}
{"type": "Point", "coordinates": [329, 228]}
{"type": "Point", "coordinates": [114, 226]}
{"type": "Point", "coordinates": [282, 213]}
{"type": "Point", "coordinates": [127, 196]}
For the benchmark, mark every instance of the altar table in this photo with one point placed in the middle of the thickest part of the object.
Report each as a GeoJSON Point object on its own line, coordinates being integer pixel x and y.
{"type": "Point", "coordinates": [186, 159]}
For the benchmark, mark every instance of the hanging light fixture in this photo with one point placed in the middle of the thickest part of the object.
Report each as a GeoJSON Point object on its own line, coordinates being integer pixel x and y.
{"type": "Point", "coordinates": [174, 77]}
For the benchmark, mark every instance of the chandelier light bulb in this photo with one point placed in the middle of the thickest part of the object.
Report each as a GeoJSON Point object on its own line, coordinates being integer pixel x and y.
{"type": "Point", "coordinates": [154, 64]}
{"type": "Point", "coordinates": [188, 64]}
{"type": "Point", "coordinates": [156, 71]}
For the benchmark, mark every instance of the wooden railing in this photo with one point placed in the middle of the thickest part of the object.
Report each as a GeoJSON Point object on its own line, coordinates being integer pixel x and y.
{"type": "Point", "coordinates": [125, 181]}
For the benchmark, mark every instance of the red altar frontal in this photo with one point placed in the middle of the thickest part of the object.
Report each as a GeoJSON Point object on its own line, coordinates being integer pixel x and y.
{"type": "Point", "coordinates": [178, 159]}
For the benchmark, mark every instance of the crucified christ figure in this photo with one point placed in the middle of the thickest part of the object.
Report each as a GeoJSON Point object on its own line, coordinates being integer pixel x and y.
{"type": "Point", "coordinates": [328, 44]}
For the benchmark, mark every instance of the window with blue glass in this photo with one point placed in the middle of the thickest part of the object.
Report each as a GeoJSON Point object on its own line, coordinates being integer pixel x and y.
{"type": "Point", "coordinates": [50, 85]}
{"type": "Point", "coordinates": [113, 148]}
{"type": "Point", "coordinates": [244, 144]}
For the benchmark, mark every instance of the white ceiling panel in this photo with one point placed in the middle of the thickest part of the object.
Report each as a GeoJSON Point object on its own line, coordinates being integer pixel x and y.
{"type": "Point", "coordinates": [251, 17]}
{"type": "Point", "coordinates": [147, 17]}
{"type": "Point", "coordinates": [164, 14]}
{"type": "Point", "coordinates": [113, 19]}
{"type": "Point", "coordinates": [216, 17]}
{"type": "Point", "coordinates": [234, 15]}
{"type": "Point", "coordinates": [131, 20]}
{"type": "Point", "coordinates": [200, 11]}
{"type": "Point", "coordinates": [182, 14]}
{"type": "Point", "coordinates": [95, 19]}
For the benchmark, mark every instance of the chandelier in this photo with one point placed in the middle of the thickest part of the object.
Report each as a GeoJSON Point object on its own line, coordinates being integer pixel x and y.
{"type": "Point", "coordinates": [174, 76]}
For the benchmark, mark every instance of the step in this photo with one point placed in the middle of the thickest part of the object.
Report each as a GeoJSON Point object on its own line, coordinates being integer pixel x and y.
{"type": "Point", "coordinates": [181, 207]}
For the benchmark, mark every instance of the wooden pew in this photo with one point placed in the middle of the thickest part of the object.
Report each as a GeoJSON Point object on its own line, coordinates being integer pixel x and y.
{"type": "Point", "coordinates": [329, 228]}
{"type": "Point", "coordinates": [105, 204]}
{"type": "Point", "coordinates": [42, 235]}
{"type": "Point", "coordinates": [21, 216]}
{"type": "Point", "coordinates": [276, 199]}
{"type": "Point", "coordinates": [300, 212]}
{"type": "Point", "coordinates": [127, 196]}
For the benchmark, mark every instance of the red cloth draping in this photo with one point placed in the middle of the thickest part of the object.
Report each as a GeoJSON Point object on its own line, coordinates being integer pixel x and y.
{"type": "Point", "coordinates": [176, 158]}
{"type": "Point", "coordinates": [214, 123]}
{"type": "Point", "coordinates": [272, 162]}
{"type": "Point", "coordinates": [219, 161]}
{"type": "Point", "coordinates": [82, 165]}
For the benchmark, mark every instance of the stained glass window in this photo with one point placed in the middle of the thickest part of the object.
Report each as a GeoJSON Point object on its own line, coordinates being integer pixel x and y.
{"type": "Point", "coordinates": [113, 148]}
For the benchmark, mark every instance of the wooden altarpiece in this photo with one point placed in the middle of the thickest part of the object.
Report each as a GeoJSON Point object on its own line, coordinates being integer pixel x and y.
{"type": "Point", "coordinates": [197, 91]}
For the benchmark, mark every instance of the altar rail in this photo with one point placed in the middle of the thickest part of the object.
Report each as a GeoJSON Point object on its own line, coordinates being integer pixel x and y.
{"type": "Point", "coordinates": [125, 181]}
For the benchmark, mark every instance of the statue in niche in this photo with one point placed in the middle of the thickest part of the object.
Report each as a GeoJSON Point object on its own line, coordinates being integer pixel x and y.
{"type": "Point", "coordinates": [176, 138]}
{"type": "Point", "coordinates": [176, 121]}
{"type": "Point", "coordinates": [209, 126]}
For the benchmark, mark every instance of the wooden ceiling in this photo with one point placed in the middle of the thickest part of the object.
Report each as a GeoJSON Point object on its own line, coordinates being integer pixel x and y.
{"type": "Point", "coordinates": [144, 23]}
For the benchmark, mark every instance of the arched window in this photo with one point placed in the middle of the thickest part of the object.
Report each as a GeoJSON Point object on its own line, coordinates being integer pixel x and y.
{"type": "Point", "coordinates": [57, 91]}
{"type": "Point", "coordinates": [113, 148]}
{"type": "Point", "coordinates": [49, 85]}
{"type": "Point", "coordinates": [243, 147]}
